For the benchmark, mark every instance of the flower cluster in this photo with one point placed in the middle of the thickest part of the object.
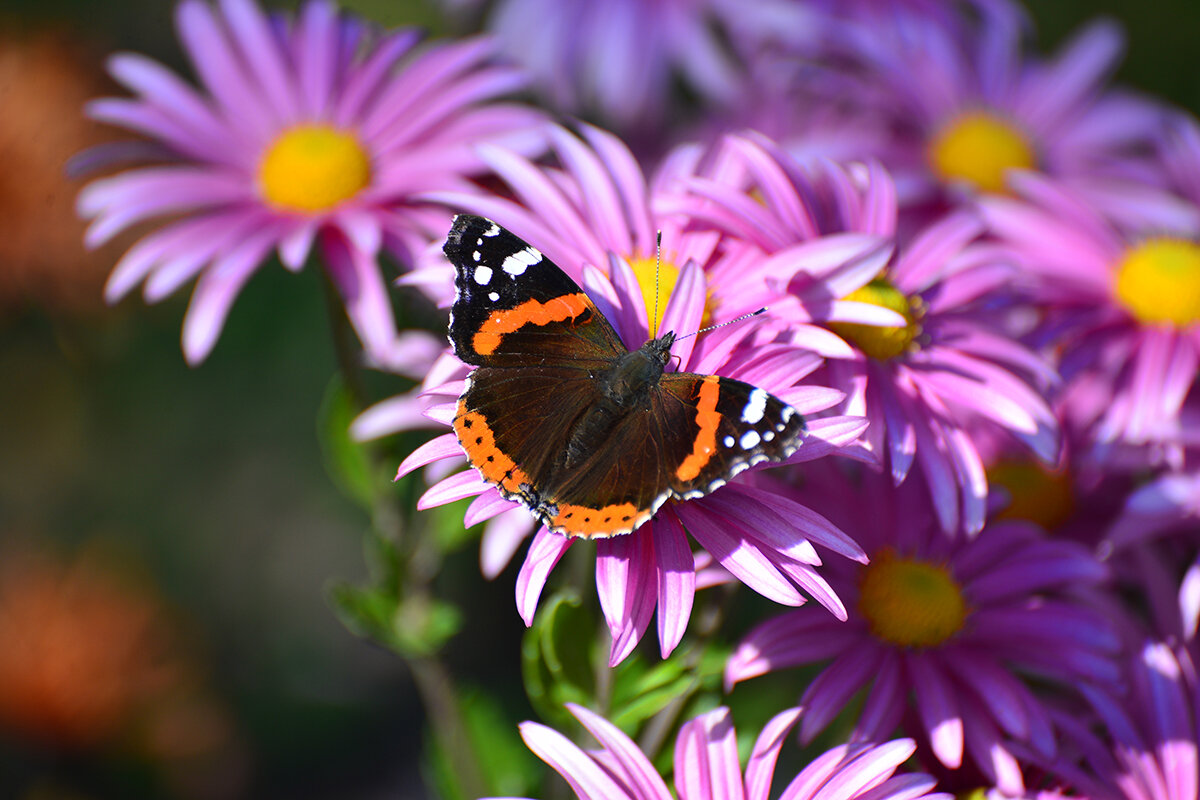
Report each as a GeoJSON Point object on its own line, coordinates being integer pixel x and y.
{"type": "Point", "coordinates": [980, 269]}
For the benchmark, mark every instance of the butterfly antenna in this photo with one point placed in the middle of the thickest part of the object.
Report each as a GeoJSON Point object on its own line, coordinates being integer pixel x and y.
{"type": "Point", "coordinates": [762, 310]}
{"type": "Point", "coordinates": [657, 282]}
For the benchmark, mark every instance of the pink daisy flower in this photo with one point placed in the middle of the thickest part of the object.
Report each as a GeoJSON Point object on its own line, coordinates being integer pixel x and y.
{"type": "Point", "coordinates": [1149, 748]}
{"type": "Point", "coordinates": [706, 764]}
{"type": "Point", "coordinates": [906, 333]}
{"type": "Point", "coordinates": [595, 220]}
{"type": "Point", "coordinates": [758, 537]}
{"type": "Point", "coordinates": [621, 60]}
{"type": "Point", "coordinates": [313, 131]}
{"type": "Point", "coordinates": [941, 631]}
{"type": "Point", "coordinates": [968, 104]}
{"type": "Point", "coordinates": [1122, 316]}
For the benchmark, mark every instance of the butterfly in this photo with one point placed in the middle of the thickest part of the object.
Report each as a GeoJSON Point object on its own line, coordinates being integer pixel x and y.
{"type": "Point", "coordinates": [562, 418]}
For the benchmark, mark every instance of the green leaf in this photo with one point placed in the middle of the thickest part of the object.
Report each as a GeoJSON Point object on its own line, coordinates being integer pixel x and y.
{"type": "Point", "coordinates": [412, 627]}
{"type": "Point", "coordinates": [348, 462]}
{"type": "Point", "coordinates": [557, 657]}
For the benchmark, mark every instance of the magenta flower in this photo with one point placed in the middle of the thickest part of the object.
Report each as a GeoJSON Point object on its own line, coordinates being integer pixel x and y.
{"type": "Point", "coordinates": [1122, 313]}
{"type": "Point", "coordinates": [312, 131]}
{"type": "Point", "coordinates": [1149, 748]}
{"type": "Point", "coordinates": [758, 536]}
{"type": "Point", "coordinates": [943, 627]}
{"type": "Point", "coordinates": [707, 768]}
{"type": "Point", "coordinates": [968, 103]}
{"type": "Point", "coordinates": [595, 219]}
{"type": "Point", "coordinates": [620, 60]}
{"type": "Point", "coordinates": [907, 339]}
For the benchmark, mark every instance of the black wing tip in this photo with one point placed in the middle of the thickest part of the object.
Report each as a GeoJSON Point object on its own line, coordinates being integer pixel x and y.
{"type": "Point", "coordinates": [463, 225]}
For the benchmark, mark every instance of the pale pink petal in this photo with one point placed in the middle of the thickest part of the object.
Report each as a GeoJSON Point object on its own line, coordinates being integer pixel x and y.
{"type": "Point", "coordinates": [634, 769]}
{"type": "Point", "coordinates": [582, 774]}
{"type": "Point", "coordinates": [627, 584]}
{"type": "Point", "coordinates": [676, 580]}
{"type": "Point", "coordinates": [544, 552]}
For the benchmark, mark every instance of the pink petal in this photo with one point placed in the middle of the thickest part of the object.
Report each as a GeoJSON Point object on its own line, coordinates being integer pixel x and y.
{"type": "Point", "coordinates": [626, 582]}
{"type": "Point", "coordinates": [501, 538]}
{"type": "Point", "coordinates": [445, 446]}
{"type": "Point", "coordinates": [737, 555]}
{"type": "Point", "coordinates": [215, 292]}
{"type": "Point", "coordinates": [544, 552]}
{"type": "Point", "coordinates": [706, 760]}
{"type": "Point", "coordinates": [457, 487]}
{"type": "Point", "coordinates": [676, 579]}
{"type": "Point", "coordinates": [761, 766]}
{"type": "Point", "coordinates": [634, 769]}
{"type": "Point", "coordinates": [938, 710]}
{"type": "Point", "coordinates": [582, 774]}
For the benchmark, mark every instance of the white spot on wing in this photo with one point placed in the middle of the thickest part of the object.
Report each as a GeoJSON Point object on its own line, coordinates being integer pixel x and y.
{"type": "Point", "coordinates": [750, 439]}
{"type": "Point", "coordinates": [492, 231]}
{"type": "Point", "coordinates": [518, 262]}
{"type": "Point", "coordinates": [483, 275]}
{"type": "Point", "coordinates": [768, 436]}
{"type": "Point", "coordinates": [755, 407]}
{"type": "Point", "coordinates": [493, 296]}
{"type": "Point", "coordinates": [728, 441]}
{"type": "Point", "coordinates": [477, 256]}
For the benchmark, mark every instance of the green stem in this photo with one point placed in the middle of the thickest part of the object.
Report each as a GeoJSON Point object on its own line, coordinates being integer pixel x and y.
{"type": "Point", "coordinates": [705, 623]}
{"type": "Point", "coordinates": [417, 567]}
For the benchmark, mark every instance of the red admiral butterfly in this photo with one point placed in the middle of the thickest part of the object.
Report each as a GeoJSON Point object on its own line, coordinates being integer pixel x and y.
{"type": "Point", "coordinates": [593, 438]}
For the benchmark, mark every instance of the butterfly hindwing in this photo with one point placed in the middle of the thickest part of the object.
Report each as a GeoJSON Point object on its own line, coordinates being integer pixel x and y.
{"type": "Point", "coordinates": [515, 307]}
{"type": "Point", "coordinates": [730, 425]}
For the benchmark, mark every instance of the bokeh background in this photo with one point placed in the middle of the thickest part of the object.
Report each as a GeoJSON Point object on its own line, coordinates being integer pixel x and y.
{"type": "Point", "coordinates": [168, 536]}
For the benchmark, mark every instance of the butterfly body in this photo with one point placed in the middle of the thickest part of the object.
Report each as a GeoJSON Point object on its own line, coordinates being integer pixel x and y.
{"type": "Point", "coordinates": [561, 417]}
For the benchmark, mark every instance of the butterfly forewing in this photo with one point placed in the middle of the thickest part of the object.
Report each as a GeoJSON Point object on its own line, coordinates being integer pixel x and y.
{"type": "Point", "coordinates": [514, 307]}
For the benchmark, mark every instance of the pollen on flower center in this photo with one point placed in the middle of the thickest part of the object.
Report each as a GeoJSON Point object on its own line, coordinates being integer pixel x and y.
{"type": "Point", "coordinates": [1158, 281]}
{"type": "Point", "coordinates": [910, 603]}
{"type": "Point", "coordinates": [311, 168]}
{"type": "Point", "coordinates": [881, 342]}
{"type": "Point", "coordinates": [658, 279]}
{"type": "Point", "coordinates": [979, 148]}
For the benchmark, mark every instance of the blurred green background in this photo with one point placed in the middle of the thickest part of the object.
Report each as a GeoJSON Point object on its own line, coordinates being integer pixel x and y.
{"type": "Point", "coordinates": [185, 514]}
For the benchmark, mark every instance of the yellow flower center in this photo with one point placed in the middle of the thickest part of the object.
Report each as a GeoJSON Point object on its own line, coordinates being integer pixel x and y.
{"type": "Point", "coordinates": [910, 603]}
{"type": "Point", "coordinates": [312, 168]}
{"type": "Point", "coordinates": [979, 147]}
{"type": "Point", "coordinates": [1038, 495]}
{"type": "Point", "coordinates": [1159, 282]}
{"type": "Point", "coordinates": [882, 342]}
{"type": "Point", "coordinates": [658, 281]}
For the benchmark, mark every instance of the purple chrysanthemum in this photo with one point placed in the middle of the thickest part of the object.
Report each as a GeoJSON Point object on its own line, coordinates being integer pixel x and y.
{"type": "Point", "coordinates": [942, 631]}
{"type": "Point", "coordinates": [1122, 315]}
{"type": "Point", "coordinates": [926, 379]}
{"type": "Point", "coordinates": [619, 60]}
{"type": "Point", "coordinates": [306, 130]}
{"type": "Point", "coordinates": [967, 102]}
{"type": "Point", "coordinates": [707, 768]}
{"type": "Point", "coordinates": [1149, 744]}
{"type": "Point", "coordinates": [593, 219]}
{"type": "Point", "coordinates": [760, 537]}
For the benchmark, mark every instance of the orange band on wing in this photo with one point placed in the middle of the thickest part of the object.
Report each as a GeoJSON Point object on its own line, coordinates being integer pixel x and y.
{"type": "Point", "coordinates": [587, 522]}
{"type": "Point", "coordinates": [479, 443]}
{"type": "Point", "coordinates": [531, 312]}
{"type": "Point", "coordinates": [707, 420]}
